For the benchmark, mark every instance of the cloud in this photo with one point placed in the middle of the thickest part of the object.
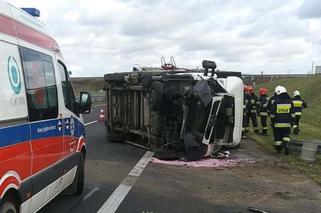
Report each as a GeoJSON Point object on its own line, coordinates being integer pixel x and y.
{"type": "Point", "coordinates": [310, 9]}
{"type": "Point", "coordinates": [97, 36]}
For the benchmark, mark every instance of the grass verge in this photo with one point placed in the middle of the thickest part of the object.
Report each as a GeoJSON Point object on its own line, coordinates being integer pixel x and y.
{"type": "Point", "coordinates": [310, 169]}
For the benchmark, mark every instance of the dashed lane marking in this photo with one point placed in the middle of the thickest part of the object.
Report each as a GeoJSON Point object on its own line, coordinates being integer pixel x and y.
{"type": "Point", "coordinates": [117, 197]}
{"type": "Point", "coordinates": [92, 122]}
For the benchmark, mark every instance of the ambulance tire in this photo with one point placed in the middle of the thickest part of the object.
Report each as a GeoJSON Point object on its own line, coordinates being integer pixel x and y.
{"type": "Point", "coordinates": [8, 207]}
{"type": "Point", "coordinates": [79, 180]}
{"type": "Point", "coordinates": [77, 186]}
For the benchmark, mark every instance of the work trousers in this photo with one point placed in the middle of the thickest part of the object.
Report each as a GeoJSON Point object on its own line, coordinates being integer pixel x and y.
{"type": "Point", "coordinates": [251, 116]}
{"type": "Point", "coordinates": [264, 123]}
{"type": "Point", "coordinates": [282, 139]}
{"type": "Point", "coordinates": [297, 120]}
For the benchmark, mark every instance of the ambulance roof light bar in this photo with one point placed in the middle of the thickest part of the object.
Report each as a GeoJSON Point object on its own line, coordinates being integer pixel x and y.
{"type": "Point", "coordinates": [32, 11]}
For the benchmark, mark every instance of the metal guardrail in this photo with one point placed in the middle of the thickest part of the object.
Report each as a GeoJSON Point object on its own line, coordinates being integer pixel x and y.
{"type": "Point", "coordinates": [296, 145]}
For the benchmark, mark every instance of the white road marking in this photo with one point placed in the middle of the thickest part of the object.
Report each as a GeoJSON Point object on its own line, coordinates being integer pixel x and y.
{"type": "Point", "coordinates": [92, 122]}
{"type": "Point", "coordinates": [90, 194]}
{"type": "Point", "coordinates": [117, 197]}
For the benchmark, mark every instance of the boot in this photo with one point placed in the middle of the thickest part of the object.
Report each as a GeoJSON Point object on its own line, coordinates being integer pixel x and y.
{"type": "Point", "coordinates": [278, 149]}
{"type": "Point", "coordinates": [264, 132]}
{"type": "Point", "coordinates": [286, 148]}
{"type": "Point", "coordinates": [257, 131]}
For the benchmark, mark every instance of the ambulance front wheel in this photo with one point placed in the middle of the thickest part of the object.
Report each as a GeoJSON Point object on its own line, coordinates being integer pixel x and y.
{"type": "Point", "coordinates": [8, 207]}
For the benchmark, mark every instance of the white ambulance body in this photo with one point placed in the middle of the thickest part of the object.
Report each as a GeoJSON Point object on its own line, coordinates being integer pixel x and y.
{"type": "Point", "coordinates": [42, 143]}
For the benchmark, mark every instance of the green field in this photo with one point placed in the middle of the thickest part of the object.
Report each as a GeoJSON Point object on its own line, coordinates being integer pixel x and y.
{"type": "Point", "coordinates": [310, 89]}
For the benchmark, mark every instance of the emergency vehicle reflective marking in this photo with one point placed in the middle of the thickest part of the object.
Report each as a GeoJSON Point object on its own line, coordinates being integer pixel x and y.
{"type": "Point", "coordinates": [14, 28]}
{"type": "Point", "coordinates": [114, 201]}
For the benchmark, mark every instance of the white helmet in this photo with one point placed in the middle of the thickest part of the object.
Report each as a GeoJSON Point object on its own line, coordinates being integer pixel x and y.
{"type": "Point", "coordinates": [279, 90]}
{"type": "Point", "coordinates": [296, 93]}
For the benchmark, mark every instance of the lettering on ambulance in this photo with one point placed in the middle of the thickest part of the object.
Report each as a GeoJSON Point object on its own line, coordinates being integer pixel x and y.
{"type": "Point", "coordinates": [42, 98]}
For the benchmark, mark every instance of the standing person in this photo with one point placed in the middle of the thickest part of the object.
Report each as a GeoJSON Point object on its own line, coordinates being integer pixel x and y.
{"type": "Point", "coordinates": [252, 109]}
{"type": "Point", "coordinates": [282, 110]}
{"type": "Point", "coordinates": [262, 109]}
{"type": "Point", "coordinates": [299, 104]}
{"type": "Point", "coordinates": [270, 102]}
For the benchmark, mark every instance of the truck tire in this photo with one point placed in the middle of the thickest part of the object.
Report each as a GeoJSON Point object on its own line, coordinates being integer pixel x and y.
{"type": "Point", "coordinates": [156, 96]}
{"type": "Point", "coordinates": [8, 207]}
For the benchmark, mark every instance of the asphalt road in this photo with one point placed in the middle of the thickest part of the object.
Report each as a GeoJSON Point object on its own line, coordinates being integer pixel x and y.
{"type": "Point", "coordinates": [163, 188]}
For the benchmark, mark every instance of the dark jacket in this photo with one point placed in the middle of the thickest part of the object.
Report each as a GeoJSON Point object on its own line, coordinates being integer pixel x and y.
{"type": "Point", "coordinates": [299, 104]}
{"type": "Point", "coordinates": [251, 100]}
{"type": "Point", "coordinates": [282, 111]}
{"type": "Point", "coordinates": [270, 102]}
{"type": "Point", "coordinates": [263, 105]}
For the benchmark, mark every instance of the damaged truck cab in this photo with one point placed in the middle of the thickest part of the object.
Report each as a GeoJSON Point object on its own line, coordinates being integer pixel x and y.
{"type": "Point", "coordinates": [175, 112]}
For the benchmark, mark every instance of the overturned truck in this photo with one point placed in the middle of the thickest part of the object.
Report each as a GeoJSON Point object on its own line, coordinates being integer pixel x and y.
{"type": "Point", "coordinates": [175, 112]}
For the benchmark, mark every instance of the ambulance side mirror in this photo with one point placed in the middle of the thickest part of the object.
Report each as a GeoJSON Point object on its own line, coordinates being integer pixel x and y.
{"type": "Point", "coordinates": [85, 103]}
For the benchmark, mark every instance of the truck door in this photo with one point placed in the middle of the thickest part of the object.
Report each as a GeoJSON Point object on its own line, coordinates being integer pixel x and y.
{"type": "Point", "coordinates": [69, 112]}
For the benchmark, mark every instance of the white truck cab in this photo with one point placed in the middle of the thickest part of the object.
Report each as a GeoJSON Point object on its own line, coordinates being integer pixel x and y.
{"type": "Point", "coordinates": [42, 134]}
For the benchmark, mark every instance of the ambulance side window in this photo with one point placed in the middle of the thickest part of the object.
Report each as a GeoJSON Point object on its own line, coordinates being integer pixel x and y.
{"type": "Point", "coordinates": [41, 85]}
{"type": "Point", "coordinates": [68, 92]}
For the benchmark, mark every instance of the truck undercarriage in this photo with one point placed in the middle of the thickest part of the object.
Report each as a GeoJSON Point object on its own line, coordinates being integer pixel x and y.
{"type": "Point", "coordinates": [175, 113]}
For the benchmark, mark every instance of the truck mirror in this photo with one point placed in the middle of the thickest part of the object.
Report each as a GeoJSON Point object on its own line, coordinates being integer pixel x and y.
{"type": "Point", "coordinates": [85, 103]}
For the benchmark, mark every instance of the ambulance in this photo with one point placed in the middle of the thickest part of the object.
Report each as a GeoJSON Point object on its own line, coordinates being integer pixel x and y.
{"type": "Point", "coordinates": [42, 134]}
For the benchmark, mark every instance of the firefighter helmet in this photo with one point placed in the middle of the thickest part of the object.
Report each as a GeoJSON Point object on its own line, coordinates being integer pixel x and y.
{"type": "Point", "coordinates": [296, 93]}
{"type": "Point", "coordinates": [263, 91]}
{"type": "Point", "coordinates": [279, 90]}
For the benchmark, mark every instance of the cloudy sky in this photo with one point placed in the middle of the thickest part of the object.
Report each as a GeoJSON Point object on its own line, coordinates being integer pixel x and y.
{"type": "Point", "coordinates": [101, 36]}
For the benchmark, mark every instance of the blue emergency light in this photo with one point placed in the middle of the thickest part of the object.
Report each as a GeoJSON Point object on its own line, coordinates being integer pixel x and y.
{"type": "Point", "coordinates": [32, 11]}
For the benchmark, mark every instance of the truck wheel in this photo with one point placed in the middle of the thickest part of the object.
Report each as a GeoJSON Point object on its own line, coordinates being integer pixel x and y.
{"type": "Point", "coordinates": [156, 96]}
{"type": "Point", "coordinates": [8, 207]}
{"type": "Point", "coordinates": [77, 186]}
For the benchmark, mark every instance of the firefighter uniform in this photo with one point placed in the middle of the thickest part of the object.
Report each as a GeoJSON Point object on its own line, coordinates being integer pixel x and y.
{"type": "Point", "coordinates": [251, 109]}
{"type": "Point", "coordinates": [298, 104]}
{"type": "Point", "coordinates": [263, 113]}
{"type": "Point", "coordinates": [283, 115]}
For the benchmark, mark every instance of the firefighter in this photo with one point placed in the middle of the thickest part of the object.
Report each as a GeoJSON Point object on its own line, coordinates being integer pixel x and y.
{"type": "Point", "coordinates": [251, 109]}
{"type": "Point", "coordinates": [270, 102]}
{"type": "Point", "coordinates": [283, 114]}
{"type": "Point", "coordinates": [245, 128]}
{"type": "Point", "coordinates": [262, 109]}
{"type": "Point", "coordinates": [299, 104]}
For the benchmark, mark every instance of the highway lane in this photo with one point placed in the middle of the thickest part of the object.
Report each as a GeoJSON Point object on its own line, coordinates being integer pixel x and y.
{"type": "Point", "coordinates": [163, 188]}
{"type": "Point", "coordinates": [106, 165]}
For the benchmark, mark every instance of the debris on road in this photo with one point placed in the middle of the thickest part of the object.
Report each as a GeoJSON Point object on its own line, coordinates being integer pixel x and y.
{"type": "Point", "coordinates": [205, 163]}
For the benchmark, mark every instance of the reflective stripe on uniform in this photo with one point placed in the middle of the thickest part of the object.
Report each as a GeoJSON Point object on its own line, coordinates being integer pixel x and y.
{"type": "Point", "coordinates": [264, 113]}
{"type": "Point", "coordinates": [295, 126]}
{"type": "Point", "coordinates": [265, 128]}
{"type": "Point", "coordinates": [278, 143]}
{"type": "Point", "coordinates": [283, 108]}
{"type": "Point", "coordinates": [287, 139]}
{"type": "Point", "coordinates": [297, 103]}
{"type": "Point", "coordinates": [292, 115]}
{"type": "Point", "coordinates": [272, 116]}
{"type": "Point", "coordinates": [282, 125]}
{"type": "Point", "coordinates": [298, 113]}
{"type": "Point", "coordinates": [253, 110]}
